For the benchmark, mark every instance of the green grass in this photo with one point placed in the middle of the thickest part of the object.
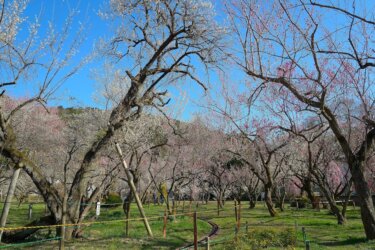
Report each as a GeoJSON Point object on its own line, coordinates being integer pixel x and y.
{"type": "Point", "coordinates": [18, 215]}
{"type": "Point", "coordinates": [320, 226]}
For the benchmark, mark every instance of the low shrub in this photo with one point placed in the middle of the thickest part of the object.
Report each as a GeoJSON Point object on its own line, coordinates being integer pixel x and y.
{"type": "Point", "coordinates": [302, 202]}
{"type": "Point", "coordinates": [113, 200]}
{"type": "Point", "coordinates": [259, 238]}
{"type": "Point", "coordinates": [117, 214]}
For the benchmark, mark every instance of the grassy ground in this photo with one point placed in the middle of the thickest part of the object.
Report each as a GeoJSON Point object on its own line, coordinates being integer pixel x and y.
{"type": "Point", "coordinates": [321, 228]}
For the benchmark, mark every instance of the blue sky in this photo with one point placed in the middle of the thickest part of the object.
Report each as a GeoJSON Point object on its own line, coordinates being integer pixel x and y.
{"type": "Point", "coordinates": [79, 89]}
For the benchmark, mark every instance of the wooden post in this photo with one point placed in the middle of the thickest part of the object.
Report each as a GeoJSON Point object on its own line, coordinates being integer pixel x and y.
{"type": "Point", "coordinates": [236, 233]}
{"type": "Point", "coordinates": [304, 234]}
{"type": "Point", "coordinates": [165, 224]}
{"type": "Point", "coordinates": [63, 220]}
{"type": "Point", "coordinates": [174, 212]}
{"type": "Point", "coordinates": [195, 232]}
{"type": "Point", "coordinates": [239, 216]}
{"type": "Point", "coordinates": [134, 190]}
{"type": "Point", "coordinates": [247, 227]}
{"type": "Point", "coordinates": [127, 215]}
{"type": "Point", "coordinates": [307, 245]}
{"type": "Point", "coordinates": [207, 243]}
{"type": "Point", "coordinates": [63, 211]}
{"type": "Point", "coordinates": [8, 199]}
{"type": "Point", "coordinates": [235, 210]}
{"type": "Point", "coordinates": [30, 212]}
{"type": "Point", "coordinates": [218, 207]}
{"type": "Point", "coordinates": [97, 211]}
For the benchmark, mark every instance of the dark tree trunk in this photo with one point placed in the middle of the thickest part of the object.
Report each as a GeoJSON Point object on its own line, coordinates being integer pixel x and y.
{"type": "Point", "coordinates": [252, 201]}
{"type": "Point", "coordinates": [268, 201]}
{"type": "Point", "coordinates": [252, 204]}
{"type": "Point", "coordinates": [280, 196]}
{"type": "Point", "coordinates": [347, 198]}
{"type": "Point", "coordinates": [219, 205]}
{"type": "Point", "coordinates": [366, 203]}
{"type": "Point", "coordinates": [310, 195]}
{"type": "Point", "coordinates": [281, 203]}
{"type": "Point", "coordinates": [126, 207]}
{"type": "Point", "coordinates": [341, 220]}
{"type": "Point", "coordinates": [220, 201]}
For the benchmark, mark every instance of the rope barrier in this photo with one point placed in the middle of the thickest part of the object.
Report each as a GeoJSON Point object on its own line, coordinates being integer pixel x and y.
{"type": "Point", "coordinates": [7, 229]}
{"type": "Point", "coordinates": [29, 243]}
{"type": "Point", "coordinates": [204, 210]}
{"type": "Point", "coordinates": [98, 222]}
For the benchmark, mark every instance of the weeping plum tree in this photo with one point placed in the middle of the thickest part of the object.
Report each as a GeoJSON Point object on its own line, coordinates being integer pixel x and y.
{"type": "Point", "coordinates": [326, 67]}
{"type": "Point", "coordinates": [257, 141]}
{"type": "Point", "coordinates": [250, 182]}
{"type": "Point", "coordinates": [219, 176]}
{"type": "Point", "coordinates": [317, 163]}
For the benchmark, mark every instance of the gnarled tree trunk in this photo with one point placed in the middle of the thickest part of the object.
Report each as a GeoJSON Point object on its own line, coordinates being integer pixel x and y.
{"type": "Point", "coordinates": [268, 200]}
{"type": "Point", "coordinates": [22, 234]}
{"type": "Point", "coordinates": [366, 202]}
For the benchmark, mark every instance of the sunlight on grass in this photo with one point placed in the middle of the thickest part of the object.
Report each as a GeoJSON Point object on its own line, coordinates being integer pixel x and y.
{"type": "Point", "coordinates": [320, 226]}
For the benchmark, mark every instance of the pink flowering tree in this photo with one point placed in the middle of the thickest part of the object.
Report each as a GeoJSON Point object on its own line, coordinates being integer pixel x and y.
{"type": "Point", "coordinates": [295, 47]}
{"type": "Point", "coordinates": [258, 141]}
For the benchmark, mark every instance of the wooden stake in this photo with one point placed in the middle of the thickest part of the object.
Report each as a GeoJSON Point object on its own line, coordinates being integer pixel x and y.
{"type": "Point", "coordinates": [63, 221]}
{"type": "Point", "coordinates": [134, 190]}
{"type": "Point", "coordinates": [239, 216]}
{"type": "Point", "coordinates": [304, 234]}
{"type": "Point", "coordinates": [30, 216]}
{"type": "Point", "coordinates": [235, 210]}
{"type": "Point", "coordinates": [307, 245]}
{"type": "Point", "coordinates": [165, 224]}
{"type": "Point", "coordinates": [127, 206]}
{"type": "Point", "coordinates": [218, 208]}
{"type": "Point", "coordinates": [195, 232]}
{"type": "Point", "coordinates": [8, 199]}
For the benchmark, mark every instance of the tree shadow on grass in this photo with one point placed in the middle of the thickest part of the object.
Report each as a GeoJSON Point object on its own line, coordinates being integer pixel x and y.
{"type": "Point", "coordinates": [347, 242]}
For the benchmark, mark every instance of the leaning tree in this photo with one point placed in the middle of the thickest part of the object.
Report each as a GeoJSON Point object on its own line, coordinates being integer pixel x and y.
{"type": "Point", "coordinates": [154, 43]}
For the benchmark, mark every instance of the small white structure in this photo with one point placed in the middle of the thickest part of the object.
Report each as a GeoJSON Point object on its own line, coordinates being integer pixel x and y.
{"type": "Point", "coordinates": [98, 209]}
